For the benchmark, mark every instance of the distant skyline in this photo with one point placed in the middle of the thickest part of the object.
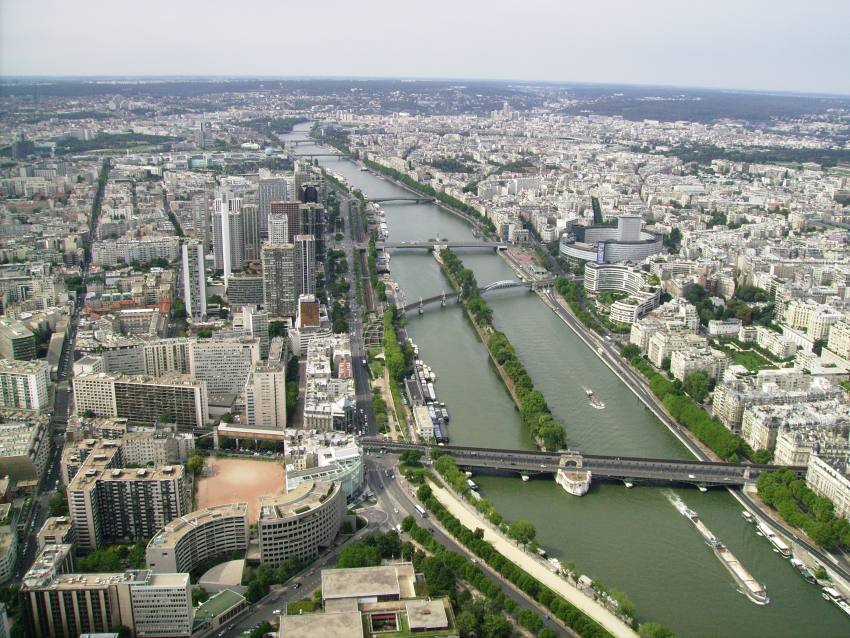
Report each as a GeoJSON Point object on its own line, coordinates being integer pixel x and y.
{"type": "Point", "coordinates": [756, 45]}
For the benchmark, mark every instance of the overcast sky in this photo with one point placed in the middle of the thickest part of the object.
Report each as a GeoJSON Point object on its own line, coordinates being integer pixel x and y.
{"type": "Point", "coordinates": [784, 45]}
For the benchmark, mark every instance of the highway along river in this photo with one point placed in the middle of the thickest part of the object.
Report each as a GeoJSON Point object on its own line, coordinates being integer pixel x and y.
{"type": "Point", "coordinates": [633, 540]}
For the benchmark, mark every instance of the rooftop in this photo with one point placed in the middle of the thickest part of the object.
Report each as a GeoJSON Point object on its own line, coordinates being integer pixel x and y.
{"type": "Point", "coordinates": [217, 605]}
{"type": "Point", "coordinates": [171, 534]}
{"type": "Point", "coordinates": [305, 497]}
{"type": "Point", "coordinates": [322, 625]}
{"type": "Point", "coordinates": [383, 580]}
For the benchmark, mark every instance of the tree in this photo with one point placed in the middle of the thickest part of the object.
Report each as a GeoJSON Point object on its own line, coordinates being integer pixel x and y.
{"type": "Point", "coordinates": [497, 626]}
{"type": "Point", "coordinates": [199, 595]}
{"type": "Point", "coordinates": [630, 351]}
{"type": "Point", "coordinates": [467, 623]}
{"type": "Point", "coordinates": [195, 464]}
{"type": "Point", "coordinates": [58, 504]}
{"type": "Point", "coordinates": [697, 385]}
{"type": "Point", "coordinates": [522, 530]}
{"type": "Point", "coordinates": [359, 555]}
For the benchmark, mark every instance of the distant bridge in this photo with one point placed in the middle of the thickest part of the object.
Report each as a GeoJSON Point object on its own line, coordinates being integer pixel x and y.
{"type": "Point", "coordinates": [441, 244]}
{"type": "Point", "coordinates": [315, 154]}
{"type": "Point", "coordinates": [444, 298]}
{"type": "Point", "coordinates": [403, 200]}
{"type": "Point", "coordinates": [622, 468]}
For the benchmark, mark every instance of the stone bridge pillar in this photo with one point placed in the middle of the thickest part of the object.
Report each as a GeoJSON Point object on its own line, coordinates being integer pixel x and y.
{"type": "Point", "coordinates": [571, 460]}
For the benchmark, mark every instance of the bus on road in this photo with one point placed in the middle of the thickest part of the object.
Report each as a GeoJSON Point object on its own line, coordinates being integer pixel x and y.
{"type": "Point", "coordinates": [421, 511]}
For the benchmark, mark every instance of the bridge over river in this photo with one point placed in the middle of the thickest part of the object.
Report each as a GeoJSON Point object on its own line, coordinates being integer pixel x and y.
{"type": "Point", "coordinates": [701, 474]}
{"type": "Point", "coordinates": [506, 284]}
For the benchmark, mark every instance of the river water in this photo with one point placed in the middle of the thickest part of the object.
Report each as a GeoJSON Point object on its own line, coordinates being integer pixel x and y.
{"type": "Point", "coordinates": [633, 540]}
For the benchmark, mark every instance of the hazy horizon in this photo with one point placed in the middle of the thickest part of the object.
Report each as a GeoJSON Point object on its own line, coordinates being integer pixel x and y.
{"type": "Point", "coordinates": [757, 46]}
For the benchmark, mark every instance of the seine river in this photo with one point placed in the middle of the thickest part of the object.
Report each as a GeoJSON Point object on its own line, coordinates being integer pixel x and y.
{"type": "Point", "coordinates": [633, 540]}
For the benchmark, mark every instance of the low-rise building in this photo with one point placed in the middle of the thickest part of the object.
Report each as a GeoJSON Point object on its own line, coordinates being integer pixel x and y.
{"type": "Point", "coordinates": [712, 362]}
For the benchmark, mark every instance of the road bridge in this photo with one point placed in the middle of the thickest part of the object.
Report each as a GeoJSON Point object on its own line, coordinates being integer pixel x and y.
{"type": "Point", "coordinates": [439, 245]}
{"type": "Point", "coordinates": [621, 468]}
{"type": "Point", "coordinates": [315, 154]}
{"type": "Point", "coordinates": [403, 200]}
{"type": "Point", "coordinates": [444, 298]}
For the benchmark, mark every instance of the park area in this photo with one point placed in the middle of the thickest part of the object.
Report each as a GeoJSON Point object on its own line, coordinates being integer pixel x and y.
{"type": "Point", "coordinates": [227, 480]}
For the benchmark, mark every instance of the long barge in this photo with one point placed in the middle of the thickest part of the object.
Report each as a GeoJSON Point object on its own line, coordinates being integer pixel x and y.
{"type": "Point", "coordinates": [747, 584]}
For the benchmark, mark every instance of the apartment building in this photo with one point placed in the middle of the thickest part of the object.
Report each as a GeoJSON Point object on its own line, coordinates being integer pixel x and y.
{"type": "Point", "coordinates": [223, 364]}
{"type": "Point", "coordinates": [24, 385]}
{"type": "Point", "coordinates": [25, 446]}
{"type": "Point", "coordinates": [265, 396]}
{"type": "Point", "coordinates": [110, 503]}
{"type": "Point", "coordinates": [58, 603]}
{"type": "Point", "coordinates": [143, 400]}
{"type": "Point", "coordinates": [301, 522]}
{"type": "Point", "coordinates": [191, 540]}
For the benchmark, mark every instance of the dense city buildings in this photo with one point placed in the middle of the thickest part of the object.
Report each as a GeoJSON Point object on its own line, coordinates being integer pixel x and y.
{"type": "Point", "coordinates": [195, 294]}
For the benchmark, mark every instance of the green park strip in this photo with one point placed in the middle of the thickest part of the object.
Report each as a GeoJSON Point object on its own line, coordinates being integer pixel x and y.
{"type": "Point", "coordinates": [473, 540]}
{"type": "Point", "coordinates": [694, 418]}
{"type": "Point", "coordinates": [531, 403]}
{"type": "Point", "coordinates": [802, 508]}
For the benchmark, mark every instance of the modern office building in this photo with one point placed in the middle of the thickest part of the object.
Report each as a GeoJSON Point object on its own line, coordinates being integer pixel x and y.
{"type": "Point", "coordinates": [109, 503]}
{"type": "Point", "coordinates": [265, 396]}
{"type": "Point", "coordinates": [279, 297]}
{"type": "Point", "coordinates": [292, 211]}
{"type": "Point", "coordinates": [194, 279]}
{"type": "Point", "coordinates": [228, 241]}
{"type": "Point", "coordinates": [201, 220]}
{"type": "Point", "coordinates": [313, 223]}
{"type": "Point", "coordinates": [305, 265]}
{"type": "Point", "coordinates": [301, 522]}
{"type": "Point", "coordinates": [251, 232]}
{"type": "Point", "coordinates": [223, 364]}
{"type": "Point", "coordinates": [324, 456]}
{"type": "Point", "coordinates": [162, 606]}
{"type": "Point", "coordinates": [641, 297]}
{"type": "Point", "coordinates": [278, 228]}
{"type": "Point", "coordinates": [255, 323]}
{"type": "Point", "coordinates": [190, 540]}
{"type": "Point", "coordinates": [612, 244]}
{"type": "Point", "coordinates": [16, 341]}
{"type": "Point", "coordinates": [143, 400]}
{"type": "Point", "coordinates": [245, 290]}
{"type": "Point", "coordinates": [271, 189]}
{"type": "Point", "coordinates": [24, 385]}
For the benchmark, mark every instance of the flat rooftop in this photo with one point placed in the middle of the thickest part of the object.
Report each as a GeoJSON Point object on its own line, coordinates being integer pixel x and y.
{"type": "Point", "coordinates": [322, 625]}
{"type": "Point", "coordinates": [360, 582]}
{"type": "Point", "coordinates": [305, 497]}
{"type": "Point", "coordinates": [217, 605]}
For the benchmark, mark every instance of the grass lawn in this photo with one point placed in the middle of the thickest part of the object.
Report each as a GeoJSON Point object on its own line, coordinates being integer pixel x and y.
{"type": "Point", "coordinates": [303, 606]}
{"type": "Point", "coordinates": [750, 359]}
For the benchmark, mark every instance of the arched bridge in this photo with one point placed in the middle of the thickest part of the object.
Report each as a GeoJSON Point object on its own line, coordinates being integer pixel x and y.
{"type": "Point", "coordinates": [444, 298]}
{"type": "Point", "coordinates": [622, 468]}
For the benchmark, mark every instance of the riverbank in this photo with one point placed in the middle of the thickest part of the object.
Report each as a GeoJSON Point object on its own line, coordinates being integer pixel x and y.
{"type": "Point", "coordinates": [536, 416]}
{"type": "Point", "coordinates": [530, 564]}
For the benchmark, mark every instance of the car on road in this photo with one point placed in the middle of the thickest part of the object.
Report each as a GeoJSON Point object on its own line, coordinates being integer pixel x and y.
{"type": "Point", "coordinates": [296, 585]}
{"type": "Point", "coordinates": [276, 611]}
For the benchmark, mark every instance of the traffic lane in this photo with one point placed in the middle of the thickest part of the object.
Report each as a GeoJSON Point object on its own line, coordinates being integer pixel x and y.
{"type": "Point", "coordinates": [394, 487]}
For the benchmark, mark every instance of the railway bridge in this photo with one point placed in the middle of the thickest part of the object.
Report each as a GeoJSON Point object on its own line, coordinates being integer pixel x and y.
{"type": "Point", "coordinates": [703, 474]}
